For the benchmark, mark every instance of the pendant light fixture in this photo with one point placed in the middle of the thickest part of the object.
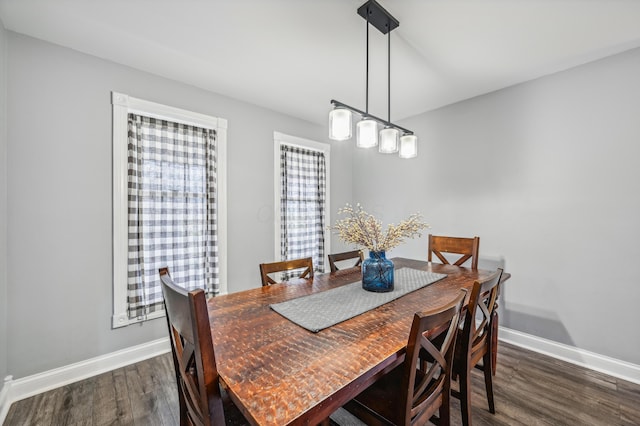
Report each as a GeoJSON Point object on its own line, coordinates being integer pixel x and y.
{"type": "Point", "coordinates": [340, 124]}
{"type": "Point", "coordinates": [408, 146]}
{"type": "Point", "coordinates": [367, 135]}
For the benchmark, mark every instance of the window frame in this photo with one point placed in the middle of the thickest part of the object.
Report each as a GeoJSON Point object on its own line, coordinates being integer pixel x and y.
{"type": "Point", "coordinates": [123, 105]}
{"type": "Point", "coordinates": [325, 148]}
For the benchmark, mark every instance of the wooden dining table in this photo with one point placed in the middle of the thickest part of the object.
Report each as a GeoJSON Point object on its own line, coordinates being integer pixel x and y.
{"type": "Point", "coordinates": [279, 373]}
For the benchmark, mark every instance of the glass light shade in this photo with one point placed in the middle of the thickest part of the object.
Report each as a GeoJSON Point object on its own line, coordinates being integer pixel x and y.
{"type": "Point", "coordinates": [388, 140]}
{"type": "Point", "coordinates": [408, 146]}
{"type": "Point", "coordinates": [366, 133]}
{"type": "Point", "coordinates": [340, 124]}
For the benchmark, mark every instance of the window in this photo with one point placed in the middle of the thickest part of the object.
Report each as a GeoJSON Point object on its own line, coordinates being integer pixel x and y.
{"type": "Point", "coordinates": [169, 204]}
{"type": "Point", "coordinates": [301, 199]}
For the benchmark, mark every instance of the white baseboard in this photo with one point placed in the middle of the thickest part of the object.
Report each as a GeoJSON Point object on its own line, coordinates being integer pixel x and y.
{"type": "Point", "coordinates": [15, 390]}
{"type": "Point", "coordinates": [591, 360]}
{"type": "Point", "coordinates": [5, 403]}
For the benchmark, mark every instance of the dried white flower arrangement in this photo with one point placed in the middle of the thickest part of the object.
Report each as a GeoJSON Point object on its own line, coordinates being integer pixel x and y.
{"type": "Point", "coordinates": [363, 229]}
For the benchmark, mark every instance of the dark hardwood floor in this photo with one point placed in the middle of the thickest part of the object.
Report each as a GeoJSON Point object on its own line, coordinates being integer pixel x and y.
{"type": "Point", "coordinates": [530, 389]}
{"type": "Point", "coordinates": [139, 394]}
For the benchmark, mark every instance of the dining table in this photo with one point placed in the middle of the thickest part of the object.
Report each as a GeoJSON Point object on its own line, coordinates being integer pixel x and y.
{"type": "Point", "coordinates": [279, 373]}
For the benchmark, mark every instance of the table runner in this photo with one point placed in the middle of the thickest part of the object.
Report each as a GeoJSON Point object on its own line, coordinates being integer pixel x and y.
{"type": "Point", "coordinates": [321, 310]}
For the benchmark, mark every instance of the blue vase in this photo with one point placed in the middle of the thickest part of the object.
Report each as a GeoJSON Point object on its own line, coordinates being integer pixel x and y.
{"type": "Point", "coordinates": [377, 272]}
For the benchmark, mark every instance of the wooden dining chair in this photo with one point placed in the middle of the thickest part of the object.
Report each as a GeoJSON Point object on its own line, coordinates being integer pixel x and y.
{"type": "Point", "coordinates": [306, 264]}
{"type": "Point", "coordinates": [495, 318]}
{"type": "Point", "coordinates": [475, 343]}
{"type": "Point", "coordinates": [413, 392]}
{"type": "Point", "coordinates": [347, 255]}
{"type": "Point", "coordinates": [202, 398]}
{"type": "Point", "coordinates": [467, 247]}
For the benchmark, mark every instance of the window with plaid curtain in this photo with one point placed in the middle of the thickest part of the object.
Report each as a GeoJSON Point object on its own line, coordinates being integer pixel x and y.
{"type": "Point", "coordinates": [171, 209]}
{"type": "Point", "coordinates": [302, 204]}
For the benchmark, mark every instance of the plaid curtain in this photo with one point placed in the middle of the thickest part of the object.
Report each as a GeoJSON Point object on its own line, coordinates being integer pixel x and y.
{"type": "Point", "coordinates": [303, 177]}
{"type": "Point", "coordinates": [171, 209]}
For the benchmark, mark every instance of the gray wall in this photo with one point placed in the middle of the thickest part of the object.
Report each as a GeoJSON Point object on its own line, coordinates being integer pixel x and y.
{"type": "Point", "coordinates": [3, 207]}
{"type": "Point", "coordinates": [59, 197]}
{"type": "Point", "coordinates": [547, 174]}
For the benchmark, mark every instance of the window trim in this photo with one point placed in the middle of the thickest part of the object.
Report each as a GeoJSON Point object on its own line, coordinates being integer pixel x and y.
{"type": "Point", "coordinates": [325, 148]}
{"type": "Point", "coordinates": [122, 106]}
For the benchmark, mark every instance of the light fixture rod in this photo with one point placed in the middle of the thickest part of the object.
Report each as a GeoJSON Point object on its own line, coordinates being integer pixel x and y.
{"type": "Point", "coordinates": [389, 76]}
{"type": "Point", "coordinates": [366, 104]}
{"type": "Point", "coordinates": [364, 114]}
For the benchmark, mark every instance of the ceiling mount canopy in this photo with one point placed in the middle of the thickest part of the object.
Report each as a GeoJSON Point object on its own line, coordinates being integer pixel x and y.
{"type": "Point", "coordinates": [377, 16]}
{"type": "Point", "coordinates": [367, 135]}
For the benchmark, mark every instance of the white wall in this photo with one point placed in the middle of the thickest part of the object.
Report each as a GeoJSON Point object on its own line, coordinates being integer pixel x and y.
{"type": "Point", "coordinates": [59, 197]}
{"type": "Point", "coordinates": [547, 174]}
{"type": "Point", "coordinates": [3, 207]}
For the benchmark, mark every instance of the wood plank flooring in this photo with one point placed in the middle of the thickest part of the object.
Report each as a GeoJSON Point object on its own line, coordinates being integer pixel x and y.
{"type": "Point", "coordinates": [139, 394]}
{"type": "Point", "coordinates": [529, 388]}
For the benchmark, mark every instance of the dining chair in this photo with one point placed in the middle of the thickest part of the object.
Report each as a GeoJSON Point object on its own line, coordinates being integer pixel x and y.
{"type": "Point", "coordinates": [306, 264]}
{"type": "Point", "coordinates": [467, 247]}
{"type": "Point", "coordinates": [202, 398]}
{"type": "Point", "coordinates": [475, 343]}
{"type": "Point", "coordinates": [414, 391]}
{"type": "Point", "coordinates": [495, 318]}
{"type": "Point", "coordinates": [347, 255]}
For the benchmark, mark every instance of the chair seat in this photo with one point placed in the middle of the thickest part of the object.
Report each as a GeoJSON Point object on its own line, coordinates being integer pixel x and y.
{"type": "Point", "coordinates": [474, 356]}
{"type": "Point", "coordinates": [384, 396]}
{"type": "Point", "coordinates": [232, 414]}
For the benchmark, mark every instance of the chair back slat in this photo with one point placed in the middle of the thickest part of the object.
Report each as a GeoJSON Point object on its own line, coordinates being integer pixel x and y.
{"type": "Point", "coordinates": [468, 248]}
{"type": "Point", "coordinates": [306, 264]}
{"type": "Point", "coordinates": [347, 255]}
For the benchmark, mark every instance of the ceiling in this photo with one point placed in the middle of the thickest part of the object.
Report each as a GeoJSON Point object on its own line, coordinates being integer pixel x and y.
{"type": "Point", "coordinates": [294, 56]}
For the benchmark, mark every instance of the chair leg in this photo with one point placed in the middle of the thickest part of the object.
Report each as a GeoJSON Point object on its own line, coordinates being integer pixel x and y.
{"type": "Point", "coordinates": [184, 418]}
{"type": "Point", "coordinates": [494, 342]}
{"type": "Point", "coordinates": [465, 396]}
{"type": "Point", "coordinates": [488, 380]}
{"type": "Point", "coordinates": [444, 413]}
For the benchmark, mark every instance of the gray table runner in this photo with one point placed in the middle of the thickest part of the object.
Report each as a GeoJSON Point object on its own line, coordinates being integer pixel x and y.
{"type": "Point", "coordinates": [321, 310]}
